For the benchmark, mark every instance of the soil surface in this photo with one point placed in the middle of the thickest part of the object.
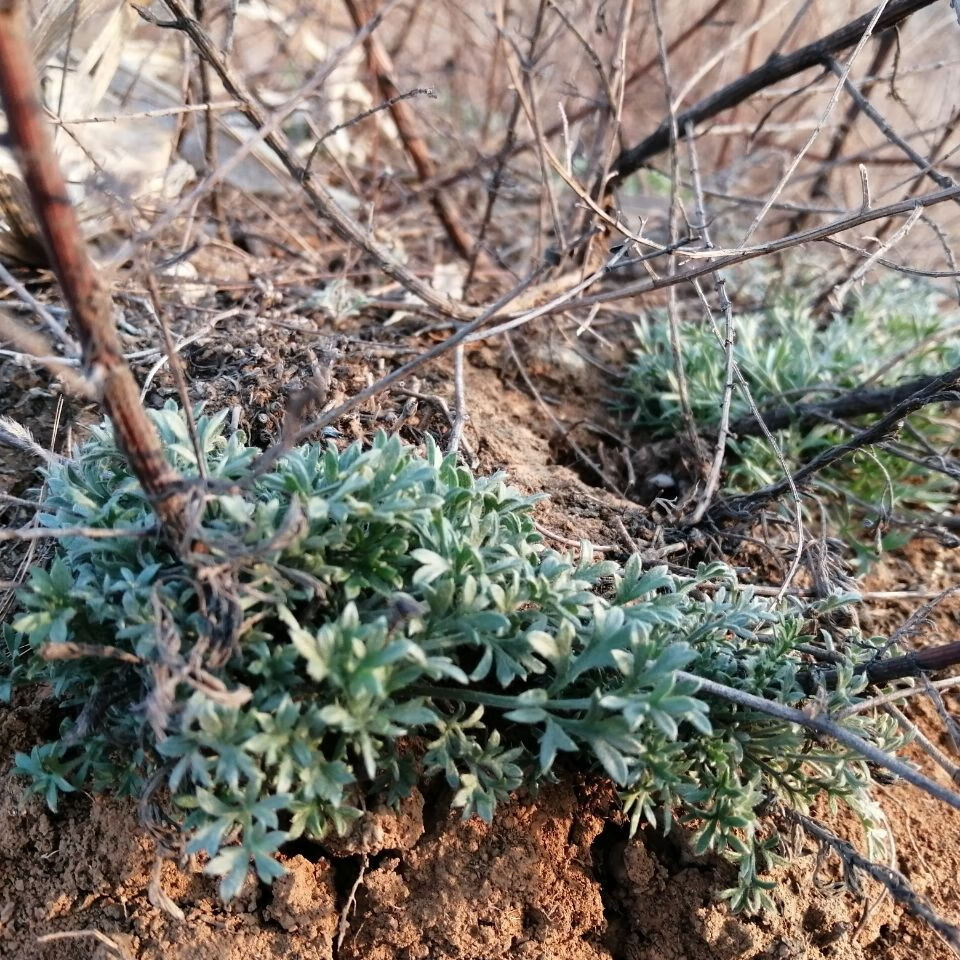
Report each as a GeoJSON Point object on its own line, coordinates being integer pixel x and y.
{"type": "Point", "coordinates": [554, 876]}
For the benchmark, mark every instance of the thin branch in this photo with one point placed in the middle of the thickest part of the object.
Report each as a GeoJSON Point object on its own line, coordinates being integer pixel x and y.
{"type": "Point", "coordinates": [385, 105]}
{"type": "Point", "coordinates": [268, 130]}
{"type": "Point", "coordinates": [918, 737]}
{"type": "Point", "coordinates": [775, 446]}
{"type": "Point", "coordinates": [149, 114]}
{"type": "Point", "coordinates": [940, 389]}
{"type": "Point", "coordinates": [774, 70]}
{"type": "Point", "coordinates": [826, 726]}
{"type": "Point", "coordinates": [108, 942]}
{"type": "Point", "coordinates": [269, 457]}
{"type": "Point", "coordinates": [32, 348]}
{"type": "Point", "coordinates": [39, 309]}
{"type": "Point", "coordinates": [831, 103]}
{"type": "Point", "coordinates": [673, 323]}
{"type": "Point", "coordinates": [852, 403]}
{"type": "Point", "coordinates": [861, 270]}
{"type": "Point", "coordinates": [380, 65]}
{"type": "Point", "coordinates": [694, 30]}
{"type": "Point", "coordinates": [940, 179]}
{"type": "Point", "coordinates": [894, 881]}
{"type": "Point", "coordinates": [903, 693]}
{"type": "Point", "coordinates": [509, 139]}
{"type": "Point", "coordinates": [729, 335]}
{"type": "Point", "coordinates": [210, 145]}
{"type": "Point", "coordinates": [818, 190]}
{"type": "Point", "coordinates": [179, 377]}
{"type": "Point", "coordinates": [460, 402]}
{"type": "Point", "coordinates": [881, 672]}
{"type": "Point", "coordinates": [90, 533]}
{"type": "Point", "coordinates": [728, 258]}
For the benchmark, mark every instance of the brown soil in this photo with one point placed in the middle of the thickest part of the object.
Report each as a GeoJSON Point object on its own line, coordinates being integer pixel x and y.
{"type": "Point", "coordinates": [553, 877]}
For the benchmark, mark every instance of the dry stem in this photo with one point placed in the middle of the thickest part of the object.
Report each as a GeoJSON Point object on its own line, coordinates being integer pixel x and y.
{"type": "Point", "coordinates": [83, 290]}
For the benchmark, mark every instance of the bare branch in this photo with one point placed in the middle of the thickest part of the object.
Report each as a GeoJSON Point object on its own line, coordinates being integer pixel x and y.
{"type": "Point", "coordinates": [939, 389]}
{"type": "Point", "coordinates": [774, 70]}
{"type": "Point", "coordinates": [828, 727]}
{"type": "Point", "coordinates": [340, 221]}
{"type": "Point", "coordinates": [88, 299]}
{"type": "Point", "coordinates": [416, 148]}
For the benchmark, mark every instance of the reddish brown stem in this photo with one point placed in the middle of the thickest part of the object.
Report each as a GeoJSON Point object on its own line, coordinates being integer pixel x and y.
{"type": "Point", "coordinates": [382, 68]}
{"type": "Point", "coordinates": [83, 291]}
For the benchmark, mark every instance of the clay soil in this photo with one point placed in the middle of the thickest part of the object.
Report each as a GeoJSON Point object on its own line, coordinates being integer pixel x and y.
{"type": "Point", "coordinates": [553, 877]}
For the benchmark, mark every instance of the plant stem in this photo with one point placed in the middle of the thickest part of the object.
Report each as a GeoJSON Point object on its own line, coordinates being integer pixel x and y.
{"type": "Point", "coordinates": [500, 701]}
{"type": "Point", "coordinates": [830, 728]}
{"type": "Point", "coordinates": [87, 297]}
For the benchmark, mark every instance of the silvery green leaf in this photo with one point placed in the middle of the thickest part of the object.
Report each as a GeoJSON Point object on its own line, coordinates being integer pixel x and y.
{"type": "Point", "coordinates": [432, 565]}
{"type": "Point", "coordinates": [612, 761]}
{"type": "Point", "coordinates": [554, 738]}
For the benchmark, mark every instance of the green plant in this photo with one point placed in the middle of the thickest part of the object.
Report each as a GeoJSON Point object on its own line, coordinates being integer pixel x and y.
{"type": "Point", "coordinates": [788, 355]}
{"type": "Point", "coordinates": [380, 616]}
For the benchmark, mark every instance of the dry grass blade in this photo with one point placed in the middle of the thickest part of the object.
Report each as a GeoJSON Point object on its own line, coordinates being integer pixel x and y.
{"type": "Point", "coordinates": [56, 20]}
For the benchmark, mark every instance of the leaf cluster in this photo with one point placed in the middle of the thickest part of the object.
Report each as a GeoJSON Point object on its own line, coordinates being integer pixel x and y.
{"type": "Point", "coordinates": [789, 355]}
{"type": "Point", "coordinates": [390, 617]}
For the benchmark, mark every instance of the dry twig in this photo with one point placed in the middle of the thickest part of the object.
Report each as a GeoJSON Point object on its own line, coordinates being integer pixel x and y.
{"type": "Point", "coordinates": [775, 69]}
{"type": "Point", "coordinates": [894, 881]}
{"type": "Point", "coordinates": [342, 224]}
{"type": "Point", "coordinates": [382, 69]}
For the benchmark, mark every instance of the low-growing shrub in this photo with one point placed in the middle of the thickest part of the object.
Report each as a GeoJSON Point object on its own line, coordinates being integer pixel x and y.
{"type": "Point", "coordinates": [357, 619]}
{"type": "Point", "coordinates": [789, 355]}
